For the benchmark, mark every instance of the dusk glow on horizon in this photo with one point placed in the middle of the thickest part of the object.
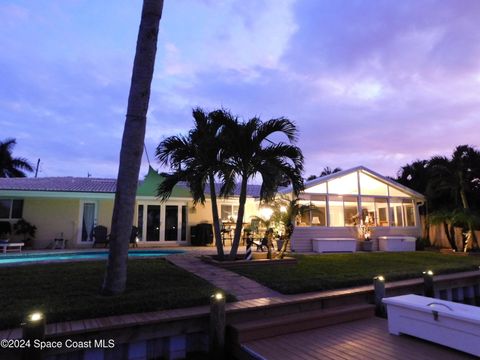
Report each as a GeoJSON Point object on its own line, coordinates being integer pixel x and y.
{"type": "Point", "coordinates": [373, 83]}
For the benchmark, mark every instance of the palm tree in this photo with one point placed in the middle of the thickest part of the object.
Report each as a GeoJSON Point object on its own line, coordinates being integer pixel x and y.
{"type": "Point", "coordinates": [457, 177]}
{"type": "Point", "coordinates": [195, 160]}
{"type": "Point", "coordinates": [248, 152]}
{"type": "Point", "coordinates": [328, 170]}
{"type": "Point", "coordinates": [132, 147]}
{"type": "Point", "coordinates": [416, 176]}
{"type": "Point", "coordinates": [10, 166]}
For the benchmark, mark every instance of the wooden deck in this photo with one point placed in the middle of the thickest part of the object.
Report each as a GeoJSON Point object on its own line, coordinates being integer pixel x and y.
{"type": "Point", "coordinates": [362, 339]}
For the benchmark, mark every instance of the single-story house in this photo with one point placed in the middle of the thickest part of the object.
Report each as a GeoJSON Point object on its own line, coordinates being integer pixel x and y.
{"type": "Point", "coordinates": [69, 208]}
{"type": "Point", "coordinates": [334, 202]}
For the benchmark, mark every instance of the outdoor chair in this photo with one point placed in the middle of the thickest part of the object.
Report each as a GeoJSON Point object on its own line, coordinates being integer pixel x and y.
{"type": "Point", "coordinates": [260, 244]}
{"type": "Point", "coordinates": [133, 236]}
{"type": "Point", "coordinates": [100, 236]}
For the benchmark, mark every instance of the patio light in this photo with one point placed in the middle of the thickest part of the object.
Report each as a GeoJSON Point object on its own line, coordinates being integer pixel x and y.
{"type": "Point", "coordinates": [266, 213]}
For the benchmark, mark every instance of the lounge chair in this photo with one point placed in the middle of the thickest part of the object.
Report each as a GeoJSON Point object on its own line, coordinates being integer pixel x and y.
{"type": "Point", "coordinates": [100, 236]}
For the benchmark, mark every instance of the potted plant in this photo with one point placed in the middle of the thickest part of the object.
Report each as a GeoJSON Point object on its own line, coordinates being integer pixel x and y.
{"type": "Point", "coordinates": [23, 227]}
{"type": "Point", "coordinates": [366, 230]}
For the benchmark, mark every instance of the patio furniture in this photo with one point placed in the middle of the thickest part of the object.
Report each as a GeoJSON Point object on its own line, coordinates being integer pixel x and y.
{"type": "Point", "coordinates": [261, 243]}
{"type": "Point", "coordinates": [443, 322]}
{"type": "Point", "coordinates": [226, 232]}
{"type": "Point", "coordinates": [323, 245]}
{"type": "Point", "coordinates": [100, 236]}
{"type": "Point", "coordinates": [396, 243]}
{"type": "Point", "coordinates": [11, 247]}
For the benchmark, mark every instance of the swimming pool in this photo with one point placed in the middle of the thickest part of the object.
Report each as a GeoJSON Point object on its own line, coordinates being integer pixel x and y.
{"type": "Point", "coordinates": [77, 256]}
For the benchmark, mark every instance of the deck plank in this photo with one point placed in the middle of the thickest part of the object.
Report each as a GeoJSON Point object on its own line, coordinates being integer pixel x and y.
{"type": "Point", "coordinates": [356, 340]}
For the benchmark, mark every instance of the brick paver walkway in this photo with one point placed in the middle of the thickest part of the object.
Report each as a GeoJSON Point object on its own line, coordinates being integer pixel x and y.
{"type": "Point", "coordinates": [239, 286]}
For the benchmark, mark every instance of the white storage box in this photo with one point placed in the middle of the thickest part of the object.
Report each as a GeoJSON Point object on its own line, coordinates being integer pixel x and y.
{"type": "Point", "coordinates": [443, 322]}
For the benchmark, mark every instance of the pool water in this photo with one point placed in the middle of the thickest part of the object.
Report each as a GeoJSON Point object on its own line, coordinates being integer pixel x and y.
{"type": "Point", "coordinates": [74, 256]}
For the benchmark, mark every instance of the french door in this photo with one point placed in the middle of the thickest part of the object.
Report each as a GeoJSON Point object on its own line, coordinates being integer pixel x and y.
{"type": "Point", "coordinates": [88, 220]}
{"type": "Point", "coordinates": [162, 223]}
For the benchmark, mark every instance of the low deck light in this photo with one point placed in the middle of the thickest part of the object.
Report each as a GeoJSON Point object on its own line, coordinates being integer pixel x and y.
{"type": "Point", "coordinates": [36, 316]}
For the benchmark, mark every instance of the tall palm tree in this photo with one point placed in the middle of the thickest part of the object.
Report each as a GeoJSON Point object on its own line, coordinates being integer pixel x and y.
{"type": "Point", "coordinates": [132, 147]}
{"type": "Point", "coordinates": [195, 160]}
{"type": "Point", "coordinates": [457, 176]}
{"type": "Point", "coordinates": [10, 166]}
{"type": "Point", "coordinates": [248, 152]}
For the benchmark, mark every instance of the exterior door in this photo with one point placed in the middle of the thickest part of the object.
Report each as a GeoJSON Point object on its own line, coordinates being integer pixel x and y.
{"type": "Point", "coordinates": [153, 223]}
{"type": "Point", "coordinates": [171, 223]}
{"type": "Point", "coordinates": [89, 219]}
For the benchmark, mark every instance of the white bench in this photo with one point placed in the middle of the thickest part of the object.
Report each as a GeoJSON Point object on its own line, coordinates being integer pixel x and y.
{"type": "Point", "coordinates": [396, 243]}
{"type": "Point", "coordinates": [322, 245]}
{"type": "Point", "coordinates": [443, 322]}
{"type": "Point", "coordinates": [11, 247]}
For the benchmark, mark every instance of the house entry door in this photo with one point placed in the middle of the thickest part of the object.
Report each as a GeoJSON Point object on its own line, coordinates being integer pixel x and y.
{"type": "Point", "coordinates": [88, 221]}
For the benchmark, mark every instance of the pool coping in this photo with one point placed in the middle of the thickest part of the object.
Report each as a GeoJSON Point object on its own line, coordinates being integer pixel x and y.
{"type": "Point", "coordinates": [62, 252]}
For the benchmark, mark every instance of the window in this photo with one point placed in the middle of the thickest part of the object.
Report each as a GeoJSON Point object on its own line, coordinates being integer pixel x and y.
{"type": "Point", "coordinates": [381, 207]}
{"type": "Point", "coordinates": [350, 210]}
{"type": "Point", "coordinates": [368, 211]}
{"type": "Point", "coordinates": [229, 213]}
{"type": "Point", "coordinates": [396, 216]}
{"type": "Point", "coordinates": [371, 186]}
{"type": "Point", "coordinates": [343, 185]}
{"type": "Point", "coordinates": [343, 210]}
{"type": "Point", "coordinates": [313, 213]}
{"type": "Point", "coordinates": [11, 209]}
{"type": "Point", "coordinates": [409, 211]}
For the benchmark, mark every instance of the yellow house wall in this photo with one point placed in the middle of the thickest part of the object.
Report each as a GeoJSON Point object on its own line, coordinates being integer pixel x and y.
{"type": "Point", "coordinates": [203, 213]}
{"type": "Point", "coordinates": [52, 217]}
{"type": "Point", "coordinates": [104, 215]}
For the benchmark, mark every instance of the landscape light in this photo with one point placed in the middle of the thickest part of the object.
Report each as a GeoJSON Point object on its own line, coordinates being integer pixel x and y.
{"type": "Point", "coordinates": [380, 278]}
{"type": "Point", "coordinates": [218, 296]}
{"type": "Point", "coordinates": [36, 316]}
{"type": "Point", "coordinates": [428, 272]}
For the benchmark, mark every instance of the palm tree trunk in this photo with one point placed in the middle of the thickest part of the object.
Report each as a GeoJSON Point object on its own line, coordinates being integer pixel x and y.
{"type": "Point", "coordinates": [241, 212]}
{"type": "Point", "coordinates": [132, 148]}
{"type": "Point", "coordinates": [450, 235]}
{"type": "Point", "coordinates": [216, 221]}
{"type": "Point", "coordinates": [472, 239]}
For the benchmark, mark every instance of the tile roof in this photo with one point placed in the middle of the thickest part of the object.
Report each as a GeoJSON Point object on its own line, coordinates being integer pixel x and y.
{"type": "Point", "coordinates": [67, 184]}
{"type": "Point", "coordinates": [252, 190]}
{"type": "Point", "coordinates": [92, 185]}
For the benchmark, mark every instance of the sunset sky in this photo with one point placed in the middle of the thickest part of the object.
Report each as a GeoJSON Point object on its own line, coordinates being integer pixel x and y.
{"type": "Point", "coordinates": [373, 83]}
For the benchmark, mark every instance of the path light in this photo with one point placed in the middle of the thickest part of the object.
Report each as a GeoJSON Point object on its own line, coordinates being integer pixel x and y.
{"type": "Point", "coordinates": [33, 329]}
{"type": "Point", "coordinates": [36, 316]}
{"type": "Point", "coordinates": [428, 286]}
{"type": "Point", "coordinates": [217, 326]}
{"type": "Point", "coordinates": [379, 289]}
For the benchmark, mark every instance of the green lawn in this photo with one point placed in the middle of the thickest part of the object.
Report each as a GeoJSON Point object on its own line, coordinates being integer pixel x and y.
{"type": "Point", "coordinates": [335, 271]}
{"type": "Point", "coordinates": [69, 291]}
